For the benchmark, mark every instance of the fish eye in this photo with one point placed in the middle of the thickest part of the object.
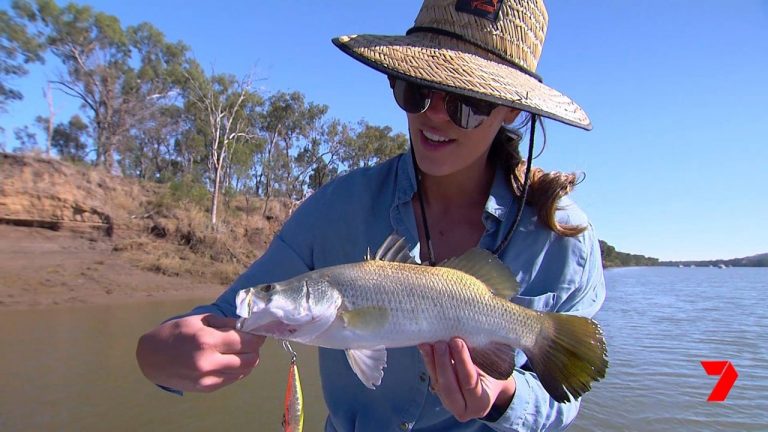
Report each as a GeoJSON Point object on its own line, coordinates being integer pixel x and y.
{"type": "Point", "coordinates": [267, 288]}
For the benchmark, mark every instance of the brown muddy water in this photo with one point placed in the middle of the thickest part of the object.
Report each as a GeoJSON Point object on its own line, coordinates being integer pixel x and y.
{"type": "Point", "coordinates": [73, 369]}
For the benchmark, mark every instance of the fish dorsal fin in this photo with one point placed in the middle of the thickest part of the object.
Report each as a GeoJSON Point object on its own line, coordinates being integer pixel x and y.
{"type": "Point", "coordinates": [487, 268]}
{"type": "Point", "coordinates": [395, 249]}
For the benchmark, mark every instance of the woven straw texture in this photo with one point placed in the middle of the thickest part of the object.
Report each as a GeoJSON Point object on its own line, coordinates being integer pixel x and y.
{"type": "Point", "coordinates": [483, 61]}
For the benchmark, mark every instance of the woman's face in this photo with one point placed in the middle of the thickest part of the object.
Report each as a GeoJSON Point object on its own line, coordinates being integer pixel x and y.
{"type": "Point", "coordinates": [442, 148]}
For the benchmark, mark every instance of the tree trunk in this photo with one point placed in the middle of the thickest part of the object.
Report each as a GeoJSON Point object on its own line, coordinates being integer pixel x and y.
{"type": "Point", "coordinates": [51, 114]}
{"type": "Point", "coordinates": [215, 196]}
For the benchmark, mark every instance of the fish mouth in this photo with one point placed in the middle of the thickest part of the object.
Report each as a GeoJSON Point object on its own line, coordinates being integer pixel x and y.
{"type": "Point", "coordinates": [248, 302]}
{"type": "Point", "coordinates": [275, 328]}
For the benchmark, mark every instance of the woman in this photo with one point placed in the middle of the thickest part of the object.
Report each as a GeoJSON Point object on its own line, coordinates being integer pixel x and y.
{"type": "Point", "coordinates": [465, 76]}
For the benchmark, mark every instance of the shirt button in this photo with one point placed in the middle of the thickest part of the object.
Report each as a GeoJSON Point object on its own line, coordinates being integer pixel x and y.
{"type": "Point", "coordinates": [405, 426]}
{"type": "Point", "coordinates": [423, 377]}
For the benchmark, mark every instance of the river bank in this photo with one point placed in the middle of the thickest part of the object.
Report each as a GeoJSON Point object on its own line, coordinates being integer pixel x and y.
{"type": "Point", "coordinates": [44, 268]}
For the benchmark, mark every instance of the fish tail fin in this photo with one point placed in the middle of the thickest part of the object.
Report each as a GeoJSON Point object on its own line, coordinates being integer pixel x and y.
{"type": "Point", "coordinates": [568, 355]}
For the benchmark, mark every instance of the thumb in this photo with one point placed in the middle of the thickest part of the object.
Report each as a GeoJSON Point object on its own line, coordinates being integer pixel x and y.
{"type": "Point", "coordinates": [219, 322]}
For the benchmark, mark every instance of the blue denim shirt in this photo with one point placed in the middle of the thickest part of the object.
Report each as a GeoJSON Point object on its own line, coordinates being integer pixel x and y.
{"type": "Point", "coordinates": [344, 219]}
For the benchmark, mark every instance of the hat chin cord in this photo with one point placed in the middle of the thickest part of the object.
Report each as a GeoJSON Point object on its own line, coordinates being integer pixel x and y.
{"type": "Point", "coordinates": [512, 229]}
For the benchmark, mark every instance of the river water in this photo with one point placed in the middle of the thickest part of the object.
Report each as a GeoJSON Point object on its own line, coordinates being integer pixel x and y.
{"type": "Point", "coordinates": [73, 369]}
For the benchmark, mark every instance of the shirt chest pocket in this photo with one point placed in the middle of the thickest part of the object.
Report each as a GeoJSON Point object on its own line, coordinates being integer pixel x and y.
{"type": "Point", "coordinates": [543, 303]}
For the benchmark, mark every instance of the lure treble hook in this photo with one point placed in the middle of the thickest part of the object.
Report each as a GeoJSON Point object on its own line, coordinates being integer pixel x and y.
{"type": "Point", "coordinates": [287, 347]}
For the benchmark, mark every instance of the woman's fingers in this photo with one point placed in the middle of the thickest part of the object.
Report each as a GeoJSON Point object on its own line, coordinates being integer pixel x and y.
{"type": "Point", "coordinates": [229, 363]}
{"type": "Point", "coordinates": [428, 355]}
{"type": "Point", "coordinates": [448, 388]}
{"type": "Point", "coordinates": [236, 342]}
{"type": "Point", "coordinates": [225, 339]}
{"type": "Point", "coordinates": [219, 322]}
{"type": "Point", "coordinates": [456, 379]}
{"type": "Point", "coordinates": [476, 397]}
{"type": "Point", "coordinates": [197, 353]}
{"type": "Point", "coordinates": [214, 381]}
{"type": "Point", "coordinates": [466, 372]}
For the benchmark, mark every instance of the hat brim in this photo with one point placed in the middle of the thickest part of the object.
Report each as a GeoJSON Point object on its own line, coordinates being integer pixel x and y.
{"type": "Point", "coordinates": [455, 66]}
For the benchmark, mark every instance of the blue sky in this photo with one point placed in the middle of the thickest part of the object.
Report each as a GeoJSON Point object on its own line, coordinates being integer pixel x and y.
{"type": "Point", "coordinates": [677, 162]}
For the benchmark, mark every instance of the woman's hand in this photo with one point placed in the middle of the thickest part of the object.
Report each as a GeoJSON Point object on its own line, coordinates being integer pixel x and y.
{"type": "Point", "coordinates": [199, 353]}
{"type": "Point", "coordinates": [466, 391]}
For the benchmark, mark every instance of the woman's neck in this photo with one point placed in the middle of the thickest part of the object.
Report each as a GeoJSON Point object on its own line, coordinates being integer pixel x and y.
{"type": "Point", "coordinates": [466, 188]}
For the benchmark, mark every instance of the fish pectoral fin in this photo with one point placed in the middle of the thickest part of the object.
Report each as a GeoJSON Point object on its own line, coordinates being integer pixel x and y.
{"type": "Point", "coordinates": [488, 269]}
{"type": "Point", "coordinates": [496, 359]}
{"type": "Point", "coordinates": [368, 364]}
{"type": "Point", "coordinates": [365, 318]}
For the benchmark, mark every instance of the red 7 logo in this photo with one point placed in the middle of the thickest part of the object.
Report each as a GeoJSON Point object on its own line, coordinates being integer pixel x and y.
{"type": "Point", "coordinates": [728, 376]}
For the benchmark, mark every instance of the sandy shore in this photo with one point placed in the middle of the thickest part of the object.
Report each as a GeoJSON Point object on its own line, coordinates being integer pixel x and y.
{"type": "Point", "coordinates": [44, 268]}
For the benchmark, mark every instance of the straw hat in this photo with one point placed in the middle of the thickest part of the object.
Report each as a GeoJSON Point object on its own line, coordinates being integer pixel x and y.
{"type": "Point", "coordinates": [486, 49]}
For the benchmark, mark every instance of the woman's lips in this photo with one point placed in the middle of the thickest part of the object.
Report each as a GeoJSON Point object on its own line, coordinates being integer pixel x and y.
{"type": "Point", "coordinates": [433, 141]}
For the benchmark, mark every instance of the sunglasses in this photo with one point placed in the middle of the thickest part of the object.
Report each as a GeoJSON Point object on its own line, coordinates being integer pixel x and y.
{"type": "Point", "coordinates": [465, 112]}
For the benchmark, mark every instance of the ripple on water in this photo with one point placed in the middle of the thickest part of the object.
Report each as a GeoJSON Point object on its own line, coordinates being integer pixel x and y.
{"type": "Point", "coordinates": [659, 324]}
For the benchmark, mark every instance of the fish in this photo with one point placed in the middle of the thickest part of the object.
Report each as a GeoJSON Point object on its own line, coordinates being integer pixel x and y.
{"type": "Point", "coordinates": [293, 407]}
{"type": "Point", "coordinates": [390, 301]}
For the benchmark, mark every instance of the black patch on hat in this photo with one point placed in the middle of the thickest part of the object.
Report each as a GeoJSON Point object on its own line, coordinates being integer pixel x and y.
{"type": "Point", "coordinates": [486, 9]}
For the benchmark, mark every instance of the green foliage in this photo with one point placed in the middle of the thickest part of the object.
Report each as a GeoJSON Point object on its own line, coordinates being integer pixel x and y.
{"type": "Point", "coordinates": [294, 143]}
{"type": "Point", "coordinates": [122, 76]}
{"type": "Point", "coordinates": [372, 144]}
{"type": "Point", "coordinates": [19, 46]}
{"type": "Point", "coordinates": [27, 140]}
{"type": "Point", "coordinates": [150, 110]}
{"type": "Point", "coordinates": [759, 260]}
{"type": "Point", "coordinates": [614, 258]}
{"type": "Point", "coordinates": [187, 191]}
{"type": "Point", "coordinates": [69, 139]}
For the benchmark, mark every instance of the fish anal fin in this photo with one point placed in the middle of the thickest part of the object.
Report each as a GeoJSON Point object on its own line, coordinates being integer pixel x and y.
{"type": "Point", "coordinates": [367, 318]}
{"type": "Point", "coordinates": [496, 359]}
{"type": "Point", "coordinates": [395, 249]}
{"type": "Point", "coordinates": [487, 268]}
{"type": "Point", "coordinates": [368, 364]}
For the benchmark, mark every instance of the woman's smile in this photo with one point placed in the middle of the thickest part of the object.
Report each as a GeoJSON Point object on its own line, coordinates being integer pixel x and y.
{"type": "Point", "coordinates": [431, 140]}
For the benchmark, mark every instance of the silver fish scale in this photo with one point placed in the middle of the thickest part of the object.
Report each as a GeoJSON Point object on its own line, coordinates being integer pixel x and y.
{"type": "Point", "coordinates": [426, 304]}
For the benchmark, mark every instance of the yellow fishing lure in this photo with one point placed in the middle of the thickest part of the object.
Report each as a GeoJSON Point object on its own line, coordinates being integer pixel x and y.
{"type": "Point", "coordinates": [293, 407]}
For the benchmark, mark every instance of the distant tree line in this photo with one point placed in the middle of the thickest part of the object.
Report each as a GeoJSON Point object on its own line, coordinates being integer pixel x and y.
{"type": "Point", "coordinates": [150, 111]}
{"type": "Point", "coordinates": [614, 258]}
{"type": "Point", "coordinates": [760, 260]}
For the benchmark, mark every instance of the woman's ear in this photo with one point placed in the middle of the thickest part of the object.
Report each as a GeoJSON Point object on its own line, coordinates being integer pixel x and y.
{"type": "Point", "coordinates": [510, 116]}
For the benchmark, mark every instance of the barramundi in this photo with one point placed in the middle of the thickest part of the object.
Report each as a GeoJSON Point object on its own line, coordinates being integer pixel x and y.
{"type": "Point", "coordinates": [389, 301]}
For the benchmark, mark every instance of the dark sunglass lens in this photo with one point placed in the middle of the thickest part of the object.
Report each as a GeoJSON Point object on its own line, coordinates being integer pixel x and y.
{"type": "Point", "coordinates": [412, 98]}
{"type": "Point", "coordinates": [466, 112]}
{"type": "Point", "coordinates": [478, 106]}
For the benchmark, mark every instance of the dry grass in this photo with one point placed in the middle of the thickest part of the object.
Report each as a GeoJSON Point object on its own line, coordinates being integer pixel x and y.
{"type": "Point", "coordinates": [162, 228]}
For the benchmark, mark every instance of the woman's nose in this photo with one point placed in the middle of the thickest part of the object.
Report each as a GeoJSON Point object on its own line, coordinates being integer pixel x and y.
{"type": "Point", "coordinates": [436, 108]}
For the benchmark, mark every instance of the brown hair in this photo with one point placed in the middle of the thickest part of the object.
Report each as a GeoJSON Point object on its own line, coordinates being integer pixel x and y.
{"type": "Point", "coordinates": [545, 189]}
